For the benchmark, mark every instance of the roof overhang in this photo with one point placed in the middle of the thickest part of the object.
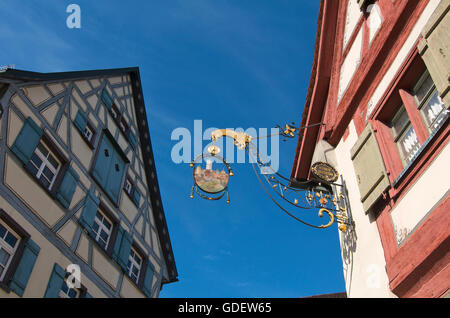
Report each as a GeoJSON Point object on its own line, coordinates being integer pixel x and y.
{"type": "Point", "coordinates": [317, 93]}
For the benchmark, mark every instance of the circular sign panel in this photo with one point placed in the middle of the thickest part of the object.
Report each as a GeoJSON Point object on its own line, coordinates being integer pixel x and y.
{"type": "Point", "coordinates": [324, 171]}
{"type": "Point", "coordinates": [211, 180]}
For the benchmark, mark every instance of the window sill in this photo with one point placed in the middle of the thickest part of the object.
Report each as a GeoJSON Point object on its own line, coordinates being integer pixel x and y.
{"type": "Point", "coordinates": [421, 158]}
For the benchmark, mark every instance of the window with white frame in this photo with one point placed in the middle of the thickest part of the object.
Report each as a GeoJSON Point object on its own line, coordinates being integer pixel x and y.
{"type": "Point", "coordinates": [428, 102]}
{"type": "Point", "coordinates": [134, 266]}
{"type": "Point", "coordinates": [404, 136]}
{"type": "Point", "coordinates": [128, 186]}
{"type": "Point", "coordinates": [102, 229]}
{"type": "Point", "coordinates": [88, 133]}
{"type": "Point", "coordinates": [9, 241]}
{"type": "Point", "coordinates": [44, 165]}
{"type": "Point", "coordinates": [67, 292]}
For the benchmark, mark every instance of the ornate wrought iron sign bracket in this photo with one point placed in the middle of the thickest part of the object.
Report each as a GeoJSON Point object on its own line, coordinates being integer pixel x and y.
{"type": "Point", "coordinates": [321, 194]}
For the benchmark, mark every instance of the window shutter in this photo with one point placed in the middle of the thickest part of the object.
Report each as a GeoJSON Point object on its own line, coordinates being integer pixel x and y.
{"type": "Point", "coordinates": [122, 247]}
{"type": "Point", "coordinates": [117, 243]}
{"type": "Point", "coordinates": [107, 99]}
{"type": "Point", "coordinates": [369, 168]}
{"type": "Point", "coordinates": [88, 295]}
{"type": "Point", "coordinates": [27, 140]}
{"type": "Point", "coordinates": [148, 280]}
{"type": "Point", "coordinates": [136, 196]}
{"type": "Point", "coordinates": [115, 175]}
{"type": "Point", "coordinates": [67, 189]}
{"type": "Point", "coordinates": [133, 140]}
{"type": "Point", "coordinates": [23, 272]}
{"type": "Point", "coordinates": [89, 211]}
{"type": "Point", "coordinates": [103, 161]}
{"type": "Point", "coordinates": [55, 282]}
{"type": "Point", "coordinates": [435, 50]}
{"type": "Point", "coordinates": [80, 121]}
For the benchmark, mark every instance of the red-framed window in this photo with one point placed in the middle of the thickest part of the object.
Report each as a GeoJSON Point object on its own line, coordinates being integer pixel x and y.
{"type": "Point", "coordinates": [410, 124]}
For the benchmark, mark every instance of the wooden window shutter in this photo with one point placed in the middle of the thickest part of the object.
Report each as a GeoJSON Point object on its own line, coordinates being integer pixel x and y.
{"type": "Point", "coordinates": [23, 272]}
{"type": "Point", "coordinates": [148, 280]}
{"type": "Point", "coordinates": [435, 49]}
{"type": "Point", "coordinates": [136, 196]}
{"type": "Point", "coordinates": [133, 140]}
{"type": "Point", "coordinates": [122, 247]}
{"type": "Point", "coordinates": [369, 168]}
{"type": "Point", "coordinates": [115, 175]}
{"type": "Point", "coordinates": [67, 189]}
{"type": "Point", "coordinates": [55, 282]}
{"type": "Point", "coordinates": [89, 211]}
{"type": "Point", "coordinates": [27, 140]}
{"type": "Point", "coordinates": [117, 243]}
{"type": "Point", "coordinates": [80, 121]}
{"type": "Point", "coordinates": [107, 99]}
{"type": "Point", "coordinates": [103, 161]}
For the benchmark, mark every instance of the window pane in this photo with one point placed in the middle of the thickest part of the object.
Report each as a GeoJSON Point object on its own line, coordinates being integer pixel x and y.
{"type": "Point", "coordinates": [101, 243]}
{"type": "Point", "coordinates": [53, 161]}
{"type": "Point", "coordinates": [424, 88]}
{"type": "Point", "coordinates": [88, 133]}
{"type": "Point", "coordinates": [399, 122]}
{"type": "Point", "coordinates": [44, 182]}
{"type": "Point", "coordinates": [107, 224]}
{"type": "Point", "coordinates": [408, 144]}
{"type": "Point", "coordinates": [42, 150]}
{"type": "Point", "coordinates": [36, 160]}
{"type": "Point", "coordinates": [433, 111]}
{"type": "Point", "coordinates": [2, 231]}
{"type": "Point", "coordinates": [11, 240]}
{"type": "Point", "coordinates": [104, 236]}
{"type": "Point", "coordinates": [47, 173]}
{"type": "Point", "coordinates": [95, 227]}
{"type": "Point", "coordinates": [4, 256]}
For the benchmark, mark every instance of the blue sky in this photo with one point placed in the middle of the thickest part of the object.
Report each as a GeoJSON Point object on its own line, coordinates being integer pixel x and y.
{"type": "Point", "coordinates": [237, 63]}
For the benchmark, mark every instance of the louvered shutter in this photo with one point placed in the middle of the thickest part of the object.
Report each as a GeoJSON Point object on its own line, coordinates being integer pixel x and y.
{"type": "Point", "coordinates": [136, 196]}
{"type": "Point", "coordinates": [89, 211]}
{"type": "Point", "coordinates": [122, 248]}
{"type": "Point", "coordinates": [80, 121]}
{"type": "Point", "coordinates": [148, 280]}
{"type": "Point", "coordinates": [115, 175]}
{"type": "Point", "coordinates": [55, 282]}
{"type": "Point", "coordinates": [107, 99]}
{"type": "Point", "coordinates": [105, 157]}
{"type": "Point", "coordinates": [133, 140]}
{"type": "Point", "coordinates": [67, 189]}
{"type": "Point", "coordinates": [27, 140]}
{"type": "Point", "coordinates": [369, 168]}
{"type": "Point", "coordinates": [22, 274]}
{"type": "Point", "coordinates": [435, 49]}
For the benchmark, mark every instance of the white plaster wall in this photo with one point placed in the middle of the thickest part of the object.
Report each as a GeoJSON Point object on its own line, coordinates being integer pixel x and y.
{"type": "Point", "coordinates": [401, 56]}
{"type": "Point", "coordinates": [362, 254]}
{"type": "Point", "coordinates": [351, 20]}
{"type": "Point", "coordinates": [350, 64]}
{"type": "Point", "coordinates": [423, 196]}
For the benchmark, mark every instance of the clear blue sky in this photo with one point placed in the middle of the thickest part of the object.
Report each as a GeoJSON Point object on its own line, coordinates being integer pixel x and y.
{"type": "Point", "coordinates": [236, 63]}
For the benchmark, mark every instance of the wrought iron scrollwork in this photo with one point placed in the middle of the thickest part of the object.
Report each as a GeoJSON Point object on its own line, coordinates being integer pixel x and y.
{"type": "Point", "coordinates": [326, 198]}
